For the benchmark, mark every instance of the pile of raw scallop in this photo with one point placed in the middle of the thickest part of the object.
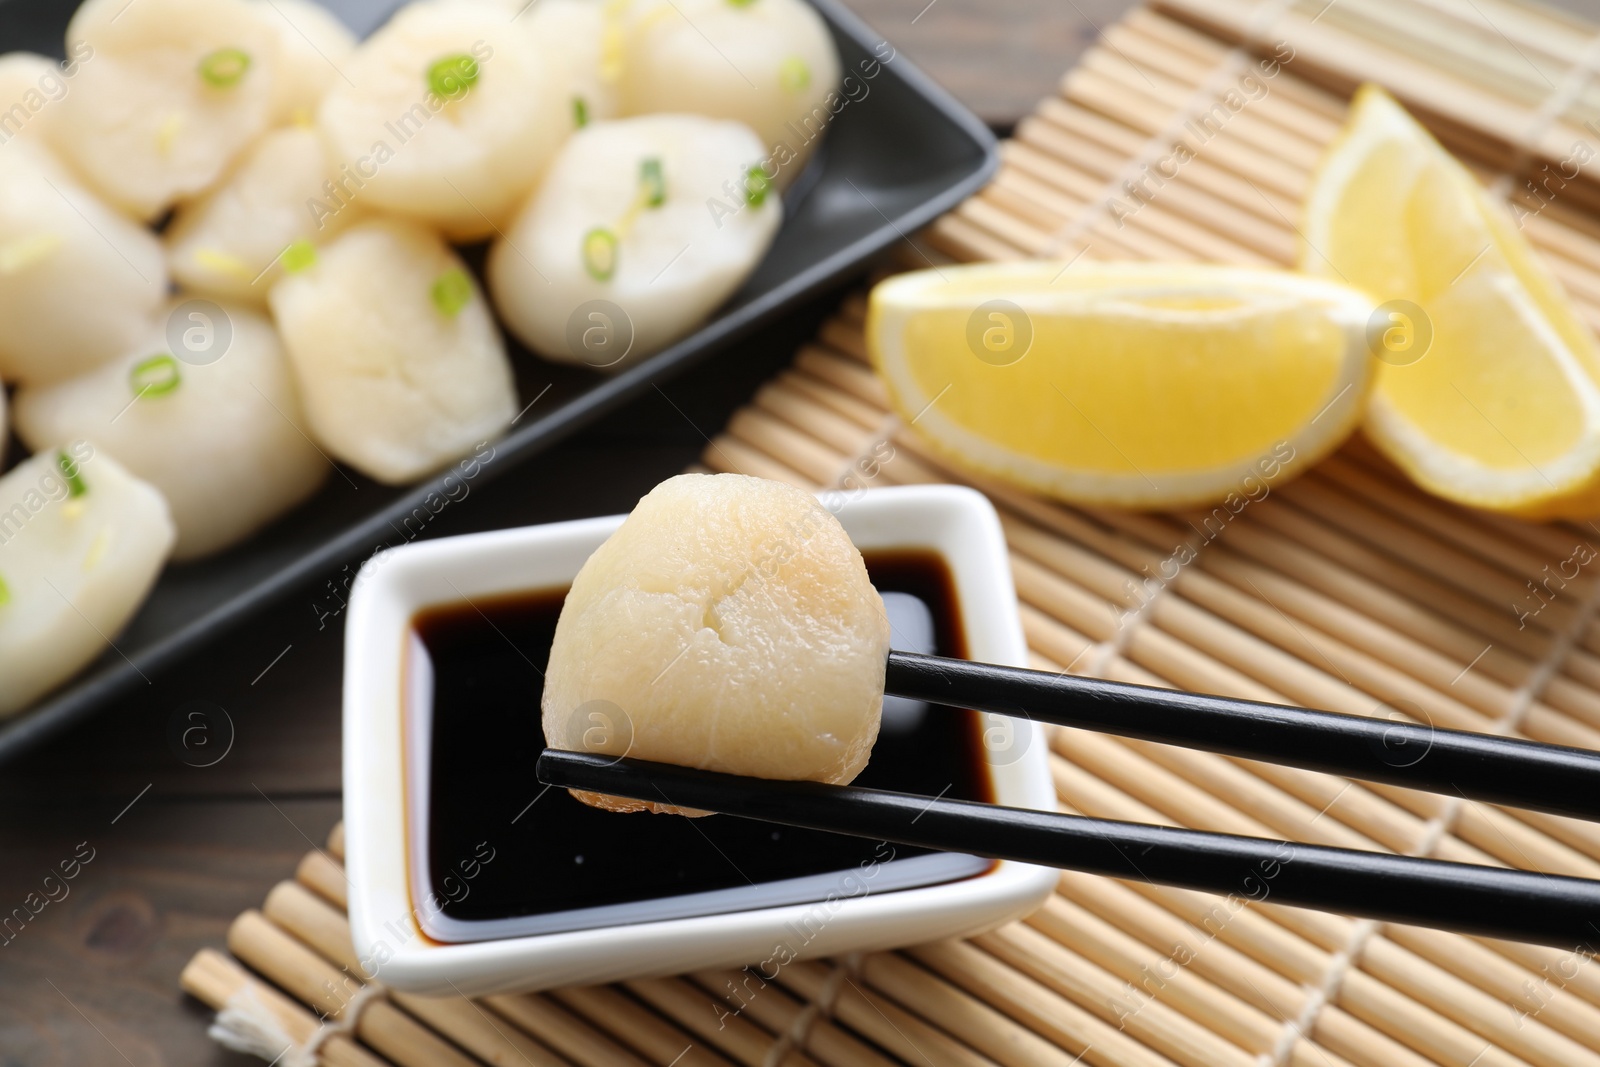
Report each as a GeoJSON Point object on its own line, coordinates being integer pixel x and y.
{"type": "Point", "coordinates": [227, 254]}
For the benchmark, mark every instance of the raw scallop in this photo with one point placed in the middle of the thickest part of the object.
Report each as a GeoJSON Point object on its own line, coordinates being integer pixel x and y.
{"type": "Point", "coordinates": [221, 440]}
{"type": "Point", "coordinates": [79, 282]}
{"type": "Point", "coordinates": [400, 366]}
{"type": "Point", "coordinates": [728, 624]}
{"type": "Point", "coordinates": [174, 91]}
{"type": "Point", "coordinates": [229, 243]}
{"type": "Point", "coordinates": [662, 264]}
{"type": "Point", "coordinates": [460, 160]}
{"type": "Point", "coordinates": [313, 47]}
{"type": "Point", "coordinates": [769, 64]}
{"type": "Point", "coordinates": [81, 543]}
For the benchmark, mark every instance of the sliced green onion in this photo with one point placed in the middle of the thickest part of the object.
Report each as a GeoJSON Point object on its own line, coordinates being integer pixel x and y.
{"type": "Point", "coordinates": [156, 376]}
{"type": "Point", "coordinates": [452, 292]}
{"type": "Point", "coordinates": [5, 592]}
{"type": "Point", "coordinates": [580, 113]}
{"type": "Point", "coordinates": [740, 3]}
{"type": "Point", "coordinates": [600, 253]}
{"type": "Point", "coordinates": [793, 74]}
{"type": "Point", "coordinates": [756, 185]}
{"type": "Point", "coordinates": [654, 183]}
{"type": "Point", "coordinates": [69, 471]}
{"type": "Point", "coordinates": [299, 256]}
{"type": "Point", "coordinates": [225, 67]}
{"type": "Point", "coordinates": [452, 76]}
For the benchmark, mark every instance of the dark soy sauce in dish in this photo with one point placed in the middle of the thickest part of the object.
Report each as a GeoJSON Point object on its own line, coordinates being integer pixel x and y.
{"type": "Point", "coordinates": [554, 854]}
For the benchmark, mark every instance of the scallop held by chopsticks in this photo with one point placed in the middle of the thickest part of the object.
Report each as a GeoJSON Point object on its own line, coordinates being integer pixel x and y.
{"type": "Point", "coordinates": [448, 115]}
{"type": "Point", "coordinates": [173, 91]}
{"type": "Point", "coordinates": [728, 624]}
{"type": "Point", "coordinates": [79, 282]}
{"type": "Point", "coordinates": [81, 542]}
{"type": "Point", "coordinates": [217, 432]}
{"type": "Point", "coordinates": [400, 366]}
{"type": "Point", "coordinates": [641, 228]}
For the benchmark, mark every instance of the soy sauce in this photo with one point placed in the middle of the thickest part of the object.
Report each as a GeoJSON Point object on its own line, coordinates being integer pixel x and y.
{"type": "Point", "coordinates": [551, 853]}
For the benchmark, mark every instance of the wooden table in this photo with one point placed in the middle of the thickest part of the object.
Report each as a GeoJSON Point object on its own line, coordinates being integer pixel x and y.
{"type": "Point", "coordinates": [179, 850]}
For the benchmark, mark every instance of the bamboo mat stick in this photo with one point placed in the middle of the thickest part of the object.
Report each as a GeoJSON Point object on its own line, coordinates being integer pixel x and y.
{"type": "Point", "coordinates": [1181, 37]}
{"type": "Point", "coordinates": [540, 1017]}
{"type": "Point", "coordinates": [1095, 92]}
{"type": "Point", "coordinates": [1071, 135]}
{"type": "Point", "coordinates": [1162, 94]}
{"type": "Point", "coordinates": [1081, 981]}
{"type": "Point", "coordinates": [1190, 199]}
{"type": "Point", "coordinates": [1301, 120]}
{"type": "Point", "coordinates": [960, 239]}
{"type": "Point", "coordinates": [640, 1028]}
{"type": "Point", "coordinates": [1277, 115]}
{"type": "Point", "coordinates": [982, 1026]}
{"type": "Point", "coordinates": [1487, 1016]}
{"type": "Point", "coordinates": [1507, 979]}
{"type": "Point", "coordinates": [1146, 976]}
{"type": "Point", "coordinates": [317, 871]}
{"type": "Point", "coordinates": [1565, 973]}
{"type": "Point", "coordinates": [711, 1020]}
{"type": "Point", "coordinates": [886, 1024]}
{"type": "Point", "coordinates": [1044, 1011]}
{"type": "Point", "coordinates": [1493, 586]}
{"type": "Point", "coordinates": [1494, 624]}
{"type": "Point", "coordinates": [804, 1024]}
{"type": "Point", "coordinates": [846, 374]}
{"type": "Point", "coordinates": [1207, 954]}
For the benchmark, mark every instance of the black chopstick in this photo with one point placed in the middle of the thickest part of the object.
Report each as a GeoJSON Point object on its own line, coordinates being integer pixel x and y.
{"type": "Point", "coordinates": [1499, 770]}
{"type": "Point", "coordinates": [1488, 901]}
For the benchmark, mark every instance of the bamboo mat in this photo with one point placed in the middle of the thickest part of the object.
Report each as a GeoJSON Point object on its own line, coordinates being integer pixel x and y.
{"type": "Point", "coordinates": [1347, 589]}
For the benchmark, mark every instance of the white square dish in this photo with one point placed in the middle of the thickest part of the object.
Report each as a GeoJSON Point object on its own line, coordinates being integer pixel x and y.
{"type": "Point", "coordinates": [386, 782]}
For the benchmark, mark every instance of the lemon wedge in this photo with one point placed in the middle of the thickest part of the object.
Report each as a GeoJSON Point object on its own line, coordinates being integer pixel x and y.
{"type": "Point", "coordinates": [1487, 391]}
{"type": "Point", "coordinates": [1127, 384]}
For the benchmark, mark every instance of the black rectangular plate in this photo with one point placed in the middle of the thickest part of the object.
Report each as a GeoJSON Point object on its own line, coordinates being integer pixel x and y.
{"type": "Point", "coordinates": [893, 161]}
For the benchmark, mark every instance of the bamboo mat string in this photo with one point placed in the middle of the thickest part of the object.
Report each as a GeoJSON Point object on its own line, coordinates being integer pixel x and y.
{"type": "Point", "coordinates": [1103, 653]}
{"type": "Point", "coordinates": [1228, 70]}
{"type": "Point", "coordinates": [246, 1024]}
{"type": "Point", "coordinates": [819, 1009]}
{"type": "Point", "coordinates": [1528, 693]}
